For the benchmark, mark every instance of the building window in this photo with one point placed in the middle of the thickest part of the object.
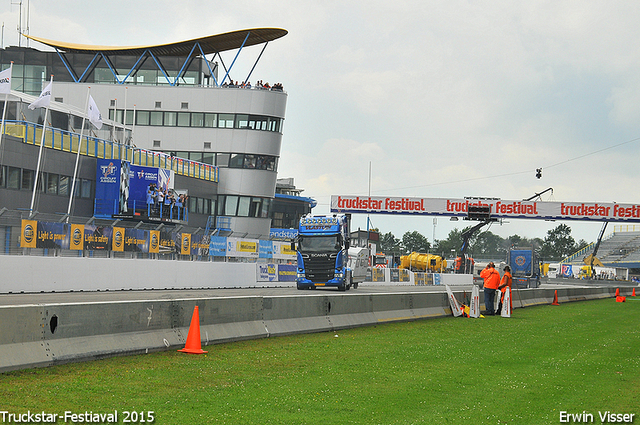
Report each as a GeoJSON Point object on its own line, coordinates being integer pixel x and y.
{"type": "Point", "coordinates": [207, 145]}
{"type": "Point", "coordinates": [63, 186]}
{"type": "Point", "coordinates": [52, 183]}
{"type": "Point", "coordinates": [184, 119]}
{"type": "Point", "coordinates": [27, 179]}
{"type": "Point", "coordinates": [225, 121]}
{"type": "Point", "coordinates": [210, 120]}
{"type": "Point", "coordinates": [156, 143]}
{"type": "Point", "coordinates": [158, 105]}
{"type": "Point", "coordinates": [184, 105]}
{"type": "Point", "coordinates": [236, 160]}
{"type": "Point", "coordinates": [142, 118]}
{"type": "Point", "coordinates": [155, 118]}
{"type": "Point", "coordinates": [13, 178]}
{"type": "Point", "coordinates": [231, 205]}
{"type": "Point", "coordinates": [170, 119]}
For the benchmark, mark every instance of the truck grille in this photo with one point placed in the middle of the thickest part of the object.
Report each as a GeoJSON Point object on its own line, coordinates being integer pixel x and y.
{"type": "Point", "coordinates": [320, 268]}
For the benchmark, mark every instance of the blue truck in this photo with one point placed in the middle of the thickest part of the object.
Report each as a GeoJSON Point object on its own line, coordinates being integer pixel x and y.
{"type": "Point", "coordinates": [322, 246]}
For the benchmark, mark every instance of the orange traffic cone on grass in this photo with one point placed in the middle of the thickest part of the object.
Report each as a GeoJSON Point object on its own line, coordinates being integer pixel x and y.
{"type": "Point", "coordinates": [617, 292]}
{"type": "Point", "coordinates": [555, 298]}
{"type": "Point", "coordinates": [633, 294]}
{"type": "Point", "coordinates": [193, 345]}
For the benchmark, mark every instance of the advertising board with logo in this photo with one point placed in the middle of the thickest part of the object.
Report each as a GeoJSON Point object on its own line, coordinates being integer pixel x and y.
{"type": "Point", "coordinates": [267, 273]}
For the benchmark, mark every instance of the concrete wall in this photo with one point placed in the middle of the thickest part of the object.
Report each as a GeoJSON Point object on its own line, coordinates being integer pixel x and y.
{"type": "Point", "coordinates": [43, 335]}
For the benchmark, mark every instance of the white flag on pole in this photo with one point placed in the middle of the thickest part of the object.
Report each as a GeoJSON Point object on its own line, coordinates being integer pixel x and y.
{"type": "Point", "coordinates": [44, 99]}
{"type": "Point", "coordinates": [5, 81]}
{"type": "Point", "coordinates": [94, 114]}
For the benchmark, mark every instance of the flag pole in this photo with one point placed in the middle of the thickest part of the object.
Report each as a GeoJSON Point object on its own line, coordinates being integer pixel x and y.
{"type": "Point", "coordinates": [75, 170]}
{"type": "Point", "coordinates": [44, 128]}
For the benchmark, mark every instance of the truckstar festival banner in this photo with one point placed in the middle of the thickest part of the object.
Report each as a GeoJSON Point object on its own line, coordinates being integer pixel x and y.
{"type": "Point", "coordinates": [454, 207]}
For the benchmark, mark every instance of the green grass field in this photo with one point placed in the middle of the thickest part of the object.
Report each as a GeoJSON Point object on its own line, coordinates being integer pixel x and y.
{"type": "Point", "coordinates": [577, 357]}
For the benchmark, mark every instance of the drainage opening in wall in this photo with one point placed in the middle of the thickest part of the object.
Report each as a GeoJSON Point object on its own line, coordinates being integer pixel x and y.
{"type": "Point", "coordinates": [53, 323]}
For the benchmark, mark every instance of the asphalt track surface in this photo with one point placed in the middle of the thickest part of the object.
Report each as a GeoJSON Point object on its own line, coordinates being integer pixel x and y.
{"type": "Point", "coordinates": [47, 298]}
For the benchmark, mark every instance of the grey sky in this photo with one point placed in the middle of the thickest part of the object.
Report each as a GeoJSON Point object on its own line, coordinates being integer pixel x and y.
{"type": "Point", "coordinates": [443, 98]}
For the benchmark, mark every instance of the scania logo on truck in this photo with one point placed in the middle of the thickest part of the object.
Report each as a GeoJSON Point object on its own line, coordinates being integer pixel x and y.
{"type": "Point", "coordinates": [318, 255]}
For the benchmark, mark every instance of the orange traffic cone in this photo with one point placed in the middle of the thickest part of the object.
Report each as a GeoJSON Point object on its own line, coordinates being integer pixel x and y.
{"type": "Point", "coordinates": [620, 299]}
{"type": "Point", "coordinates": [633, 294]}
{"type": "Point", "coordinates": [555, 299]}
{"type": "Point", "coordinates": [617, 292]}
{"type": "Point", "coordinates": [193, 345]}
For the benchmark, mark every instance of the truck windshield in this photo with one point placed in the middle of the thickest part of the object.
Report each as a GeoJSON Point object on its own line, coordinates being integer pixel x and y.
{"type": "Point", "coordinates": [319, 244]}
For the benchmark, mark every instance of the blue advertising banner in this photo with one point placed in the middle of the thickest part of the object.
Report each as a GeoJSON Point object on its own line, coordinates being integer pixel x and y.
{"type": "Point", "coordinates": [286, 272]}
{"type": "Point", "coordinates": [265, 249]}
{"type": "Point", "coordinates": [283, 233]}
{"type": "Point", "coordinates": [218, 246]}
{"type": "Point", "coordinates": [107, 187]}
{"type": "Point", "coordinates": [139, 180]}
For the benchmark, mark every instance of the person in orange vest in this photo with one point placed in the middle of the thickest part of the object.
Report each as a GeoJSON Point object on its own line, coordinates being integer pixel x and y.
{"type": "Point", "coordinates": [491, 282]}
{"type": "Point", "coordinates": [504, 283]}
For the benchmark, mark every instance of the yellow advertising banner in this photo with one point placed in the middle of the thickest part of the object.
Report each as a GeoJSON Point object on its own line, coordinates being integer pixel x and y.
{"type": "Point", "coordinates": [286, 250]}
{"type": "Point", "coordinates": [246, 246]}
{"type": "Point", "coordinates": [185, 245]}
{"type": "Point", "coordinates": [154, 241]}
{"type": "Point", "coordinates": [117, 240]}
{"type": "Point", "coordinates": [76, 241]}
{"type": "Point", "coordinates": [28, 236]}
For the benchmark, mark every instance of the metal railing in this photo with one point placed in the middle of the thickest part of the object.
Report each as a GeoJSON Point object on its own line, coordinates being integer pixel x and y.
{"type": "Point", "coordinates": [68, 141]}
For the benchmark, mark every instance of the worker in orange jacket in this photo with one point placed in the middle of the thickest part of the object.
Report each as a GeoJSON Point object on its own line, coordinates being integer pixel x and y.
{"type": "Point", "coordinates": [491, 282]}
{"type": "Point", "coordinates": [505, 284]}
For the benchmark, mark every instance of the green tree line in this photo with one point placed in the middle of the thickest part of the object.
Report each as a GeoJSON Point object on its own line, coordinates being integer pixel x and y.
{"type": "Point", "coordinates": [557, 244]}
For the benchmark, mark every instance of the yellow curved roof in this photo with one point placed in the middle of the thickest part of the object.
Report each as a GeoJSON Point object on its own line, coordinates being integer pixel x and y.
{"type": "Point", "coordinates": [210, 44]}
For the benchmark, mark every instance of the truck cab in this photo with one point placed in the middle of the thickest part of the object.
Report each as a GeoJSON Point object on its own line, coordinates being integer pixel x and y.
{"type": "Point", "coordinates": [322, 247]}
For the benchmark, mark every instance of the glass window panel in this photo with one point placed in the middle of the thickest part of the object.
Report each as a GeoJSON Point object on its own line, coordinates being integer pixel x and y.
{"type": "Point", "coordinates": [222, 159]}
{"type": "Point", "coordinates": [129, 118]}
{"type": "Point", "coordinates": [184, 119]}
{"type": "Point", "coordinates": [193, 203]}
{"type": "Point", "coordinates": [13, 178]}
{"type": "Point", "coordinates": [208, 158]}
{"type": "Point", "coordinates": [242, 121]}
{"type": "Point", "coordinates": [155, 118]}
{"type": "Point", "coordinates": [52, 183]}
{"type": "Point", "coordinates": [195, 156]}
{"type": "Point", "coordinates": [27, 179]}
{"type": "Point", "coordinates": [254, 210]}
{"type": "Point", "coordinates": [210, 120]}
{"type": "Point", "coordinates": [250, 161]}
{"type": "Point", "coordinates": [200, 207]}
{"type": "Point", "coordinates": [236, 160]}
{"type": "Point", "coordinates": [170, 119]}
{"type": "Point", "coordinates": [142, 117]}
{"type": "Point", "coordinates": [182, 154]}
{"type": "Point", "coordinates": [197, 120]}
{"type": "Point", "coordinates": [225, 120]}
{"type": "Point", "coordinates": [213, 206]}
{"type": "Point", "coordinates": [221, 200]}
{"type": "Point", "coordinates": [266, 203]}
{"type": "Point", "coordinates": [63, 186]}
{"type": "Point", "coordinates": [86, 189]}
{"type": "Point", "coordinates": [206, 206]}
{"type": "Point", "coordinates": [243, 206]}
{"type": "Point", "coordinates": [3, 173]}
{"type": "Point", "coordinates": [231, 205]}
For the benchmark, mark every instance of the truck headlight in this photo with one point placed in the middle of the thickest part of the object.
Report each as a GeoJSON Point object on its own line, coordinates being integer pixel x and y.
{"type": "Point", "coordinates": [339, 274]}
{"type": "Point", "coordinates": [300, 275]}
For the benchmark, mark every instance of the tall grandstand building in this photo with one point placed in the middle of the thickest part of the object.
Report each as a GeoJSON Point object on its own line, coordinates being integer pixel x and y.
{"type": "Point", "coordinates": [176, 106]}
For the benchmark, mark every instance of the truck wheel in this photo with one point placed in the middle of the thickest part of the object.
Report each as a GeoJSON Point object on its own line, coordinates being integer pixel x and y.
{"type": "Point", "coordinates": [355, 285]}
